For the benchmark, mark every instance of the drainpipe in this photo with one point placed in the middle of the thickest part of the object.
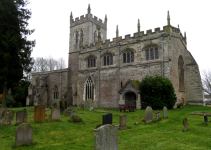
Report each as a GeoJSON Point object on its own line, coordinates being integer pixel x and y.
{"type": "Point", "coordinates": [99, 79]}
{"type": "Point", "coordinates": [162, 53]}
{"type": "Point", "coordinates": [118, 75]}
{"type": "Point", "coordinates": [60, 85]}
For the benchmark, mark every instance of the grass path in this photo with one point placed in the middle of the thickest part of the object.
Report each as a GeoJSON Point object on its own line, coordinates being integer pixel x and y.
{"type": "Point", "coordinates": [166, 134]}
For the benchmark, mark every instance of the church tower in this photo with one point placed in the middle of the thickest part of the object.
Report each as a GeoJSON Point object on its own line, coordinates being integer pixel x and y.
{"type": "Point", "coordinates": [83, 31]}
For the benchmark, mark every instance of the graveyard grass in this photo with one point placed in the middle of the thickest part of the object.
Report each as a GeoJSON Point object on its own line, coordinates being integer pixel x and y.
{"type": "Point", "coordinates": [167, 134]}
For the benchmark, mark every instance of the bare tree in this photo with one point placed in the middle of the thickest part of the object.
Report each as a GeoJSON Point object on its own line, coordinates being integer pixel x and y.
{"type": "Point", "coordinates": [51, 63]}
{"type": "Point", "coordinates": [206, 81]}
{"type": "Point", "coordinates": [62, 64]}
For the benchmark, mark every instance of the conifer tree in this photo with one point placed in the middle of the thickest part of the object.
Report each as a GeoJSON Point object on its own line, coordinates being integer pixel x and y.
{"type": "Point", "coordinates": [15, 48]}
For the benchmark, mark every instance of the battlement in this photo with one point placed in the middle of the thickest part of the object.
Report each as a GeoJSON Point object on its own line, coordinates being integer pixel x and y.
{"type": "Point", "coordinates": [149, 34]}
{"type": "Point", "coordinates": [90, 18]}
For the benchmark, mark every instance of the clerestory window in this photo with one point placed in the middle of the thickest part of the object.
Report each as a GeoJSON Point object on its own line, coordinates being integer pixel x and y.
{"type": "Point", "coordinates": [91, 62]}
{"type": "Point", "coordinates": [108, 60]}
{"type": "Point", "coordinates": [128, 57]}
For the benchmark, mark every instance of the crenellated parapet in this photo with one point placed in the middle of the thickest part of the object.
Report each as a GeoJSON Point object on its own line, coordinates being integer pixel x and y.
{"type": "Point", "coordinates": [88, 17]}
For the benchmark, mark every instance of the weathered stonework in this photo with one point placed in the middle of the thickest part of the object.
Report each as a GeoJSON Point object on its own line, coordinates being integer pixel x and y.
{"type": "Point", "coordinates": [74, 78]}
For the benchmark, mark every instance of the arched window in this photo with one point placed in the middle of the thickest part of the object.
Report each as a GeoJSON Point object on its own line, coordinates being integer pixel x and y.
{"type": "Point", "coordinates": [91, 62]}
{"type": "Point", "coordinates": [128, 57]}
{"type": "Point", "coordinates": [95, 37]}
{"type": "Point", "coordinates": [81, 36]}
{"type": "Point", "coordinates": [108, 59]}
{"type": "Point", "coordinates": [56, 93]}
{"type": "Point", "coordinates": [181, 73]}
{"type": "Point", "coordinates": [152, 54]}
{"type": "Point", "coordinates": [76, 37]}
{"type": "Point", "coordinates": [89, 89]}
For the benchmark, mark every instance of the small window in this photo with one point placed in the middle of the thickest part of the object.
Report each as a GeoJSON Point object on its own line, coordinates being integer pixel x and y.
{"type": "Point", "coordinates": [156, 53]}
{"type": "Point", "coordinates": [108, 59]}
{"type": "Point", "coordinates": [151, 54]}
{"type": "Point", "coordinates": [91, 62]}
{"type": "Point", "coordinates": [124, 58]}
{"type": "Point", "coordinates": [147, 54]}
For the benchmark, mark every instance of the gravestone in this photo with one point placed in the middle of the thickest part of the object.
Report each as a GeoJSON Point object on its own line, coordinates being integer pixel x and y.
{"type": "Point", "coordinates": [67, 111]}
{"type": "Point", "coordinates": [21, 116]}
{"type": "Point", "coordinates": [7, 117]}
{"type": "Point", "coordinates": [165, 112]}
{"type": "Point", "coordinates": [55, 114]}
{"type": "Point", "coordinates": [90, 104]}
{"type": "Point", "coordinates": [157, 115]}
{"type": "Point", "coordinates": [107, 119]}
{"type": "Point", "coordinates": [39, 113]}
{"type": "Point", "coordinates": [106, 137]}
{"type": "Point", "coordinates": [205, 118]}
{"type": "Point", "coordinates": [73, 113]}
{"type": "Point", "coordinates": [1, 112]}
{"type": "Point", "coordinates": [24, 134]}
{"type": "Point", "coordinates": [122, 122]}
{"type": "Point", "coordinates": [81, 106]}
{"type": "Point", "coordinates": [63, 105]}
{"type": "Point", "coordinates": [185, 124]}
{"type": "Point", "coordinates": [148, 114]}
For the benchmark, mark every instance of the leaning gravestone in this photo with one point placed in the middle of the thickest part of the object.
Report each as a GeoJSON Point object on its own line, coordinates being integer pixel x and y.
{"type": "Point", "coordinates": [122, 122]}
{"type": "Point", "coordinates": [148, 114]}
{"type": "Point", "coordinates": [106, 137]}
{"type": "Point", "coordinates": [185, 124]}
{"type": "Point", "coordinates": [24, 134]}
{"type": "Point", "coordinates": [39, 113]}
{"type": "Point", "coordinates": [157, 115]}
{"type": "Point", "coordinates": [90, 104]}
{"type": "Point", "coordinates": [21, 116]}
{"type": "Point", "coordinates": [165, 112]}
{"type": "Point", "coordinates": [55, 114]}
{"type": "Point", "coordinates": [73, 113]}
{"type": "Point", "coordinates": [107, 119]}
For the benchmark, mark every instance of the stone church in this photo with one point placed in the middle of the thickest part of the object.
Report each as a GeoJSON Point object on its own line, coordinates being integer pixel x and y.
{"type": "Point", "coordinates": [108, 72]}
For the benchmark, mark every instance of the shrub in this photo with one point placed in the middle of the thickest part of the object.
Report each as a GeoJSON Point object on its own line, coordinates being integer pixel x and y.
{"type": "Point", "coordinates": [76, 119]}
{"type": "Point", "coordinates": [157, 92]}
{"type": "Point", "coordinates": [10, 101]}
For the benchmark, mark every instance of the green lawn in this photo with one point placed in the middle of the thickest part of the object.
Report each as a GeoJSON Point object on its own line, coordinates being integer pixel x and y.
{"type": "Point", "coordinates": [166, 134]}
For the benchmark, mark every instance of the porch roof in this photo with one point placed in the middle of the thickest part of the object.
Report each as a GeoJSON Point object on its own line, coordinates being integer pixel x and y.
{"type": "Point", "coordinates": [135, 83]}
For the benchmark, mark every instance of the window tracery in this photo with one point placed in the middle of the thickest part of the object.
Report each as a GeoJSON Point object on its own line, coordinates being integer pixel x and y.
{"type": "Point", "coordinates": [152, 53]}
{"type": "Point", "coordinates": [128, 57]}
{"type": "Point", "coordinates": [89, 89]}
{"type": "Point", "coordinates": [108, 59]}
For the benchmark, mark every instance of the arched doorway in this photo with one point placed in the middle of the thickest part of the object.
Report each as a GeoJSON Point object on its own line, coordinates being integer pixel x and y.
{"type": "Point", "coordinates": [130, 98]}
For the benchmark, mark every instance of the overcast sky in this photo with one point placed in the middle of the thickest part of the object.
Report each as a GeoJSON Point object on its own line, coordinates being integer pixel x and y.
{"type": "Point", "coordinates": [50, 19]}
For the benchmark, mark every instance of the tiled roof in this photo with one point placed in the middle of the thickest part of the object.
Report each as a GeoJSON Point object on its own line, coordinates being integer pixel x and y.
{"type": "Point", "coordinates": [135, 82]}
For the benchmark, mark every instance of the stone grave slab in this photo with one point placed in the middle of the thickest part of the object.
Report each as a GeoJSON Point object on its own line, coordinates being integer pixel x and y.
{"type": "Point", "coordinates": [24, 134]}
{"type": "Point", "coordinates": [90, 104]}
{"type": "Point", "coordinates": [106, 137]}
{"type": "Point", "coordinates": [122, 122]}
{"type": "Point", "coordinates": [39, 113]}
{"type": "Point", "coordinates": [148, 114]}
{"type": "Point", "coordinates": [107, 119]}
{"type": "Point", "coordinates": [55, 114]}
{"type": "Point", "coordinates": [165, 112]}
{"type": "Point", "coordinates": [21, 116]}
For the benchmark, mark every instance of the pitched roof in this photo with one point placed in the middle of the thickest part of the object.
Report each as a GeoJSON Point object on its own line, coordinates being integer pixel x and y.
{"type": "Point", "coordinates": [135, 83]}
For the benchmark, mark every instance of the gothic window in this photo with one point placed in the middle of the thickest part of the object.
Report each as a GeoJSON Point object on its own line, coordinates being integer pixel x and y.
{"type": "Point", "coordinates": [89, 89]}
{"type": "Point", "coordinates": [91, 62]}
{"type": "Point", "coordinates": [181, 73]}
{"type": "Point", "coordinates": [156, 53]}
{"type": "Point", "coordinates": [56, 93]}
{"type": "Point", "coordinates": [128, 57]}
{"type": "Point", "coordinates": [108, 60]}
{"type": "Point", "coordinates": [147, 54]}
{"type": "Point", "coordinates": [81, 36]}
{"type": "Point", "coordinates": [76, 37]}
{"type": "Point", "coordinates": [124, 58]}
{"type": "Point", "coordinates": [151, 54]}
{"type": "Point", "coordinates": [132, 56]}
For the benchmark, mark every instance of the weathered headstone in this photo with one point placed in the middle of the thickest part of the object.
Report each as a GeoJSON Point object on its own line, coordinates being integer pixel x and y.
{"type": "Point", "coordinates": [185, 124]}
{"type": "Point", "coordinates": [63, 105]}
{"type": "Point", "coordinates": [67, 111]}
{"type": "Point", "coordinates": [106, 137]}
{"type": "Point", "coordinates": [205, 118]}
{"type": "Point", "coordinates": [165, 112]}
{"type": "Point", "coordinates": [8, 116]}
{"type": "Point", "coordinates": [39, 113]}
{"type": "Point", "coordinates": [55, 113]}
{"type": "Point", "coordinates": [122, 122]}
{"type": "Point", "coordinates": [24, 134]}
{"type": "Point", "coordinates": [21, 116]}
{"type": "Point", "coordinates": [148, 114]}
{"type": "Point", "coordinates": [73, 113]}
{"type": "Point", "coordinates": [1, 112]}
{"type": "Point", "coordinates": [90, 104]}
{"type": "Point", "coordinates": [81, 106]}
{"type": "Point", "coordinates": [157, 115]}
{"type": "Point", "coordinates": [107, 119]}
